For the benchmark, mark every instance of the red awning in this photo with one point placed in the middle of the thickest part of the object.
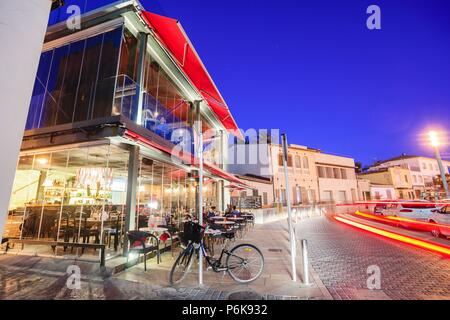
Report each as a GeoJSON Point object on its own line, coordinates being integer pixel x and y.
{"type": "Point", "coordinates": [172, 36]}
{"type": "Point", "coordinates": [185, 157]}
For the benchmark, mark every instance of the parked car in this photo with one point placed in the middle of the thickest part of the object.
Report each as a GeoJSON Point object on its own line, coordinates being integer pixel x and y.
{"type": "Point", "coordinates": [379, 207]}
{"type": "Point", "coordinates": [441, 216]}
{"type": "Point", "coordinates": [414, 209]}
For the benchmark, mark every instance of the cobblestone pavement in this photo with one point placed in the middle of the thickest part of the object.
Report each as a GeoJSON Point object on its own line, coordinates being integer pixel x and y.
{"type": "Point", "coordinates": [341, 255]}
{"type": "Point", "coordinates": [24, 277]}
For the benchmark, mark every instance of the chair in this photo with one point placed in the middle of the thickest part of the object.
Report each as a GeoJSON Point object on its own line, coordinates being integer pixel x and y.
{"type": "Point", "coordinates": [172, 234]}
{"type": "Point", "coordinates": [250, 219]}
{"type": "Point", "coordinates": [87, 232]}
{"type": "Point", "coordinates": [67, 229]}
{"type": "Point", "coordinates": [138, 239]}
{"type": "Point", "coordinates": [116, 231]}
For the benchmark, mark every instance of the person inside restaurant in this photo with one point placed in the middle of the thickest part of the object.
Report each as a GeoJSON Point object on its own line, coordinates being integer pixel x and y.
{"type": "Point", "coordinates": [234, 213]}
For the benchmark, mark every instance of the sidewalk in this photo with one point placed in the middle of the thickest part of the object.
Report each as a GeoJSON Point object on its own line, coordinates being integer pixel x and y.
{"type": "Point", "coordinates": [275, 282]}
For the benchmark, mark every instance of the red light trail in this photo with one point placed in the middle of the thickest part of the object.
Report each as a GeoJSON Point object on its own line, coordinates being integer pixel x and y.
{"type": "Point", "coordinates": [398, 237]}
{"type": "Point", "coordinates": [425, 226]}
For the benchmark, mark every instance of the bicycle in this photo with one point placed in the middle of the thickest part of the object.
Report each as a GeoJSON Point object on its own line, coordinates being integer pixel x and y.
{"type": "Point", "coordinates": [244, 262]}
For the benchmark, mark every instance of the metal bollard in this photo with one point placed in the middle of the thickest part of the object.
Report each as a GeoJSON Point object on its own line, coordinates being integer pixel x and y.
{"type": "Point", "coordinates": [305, 262]}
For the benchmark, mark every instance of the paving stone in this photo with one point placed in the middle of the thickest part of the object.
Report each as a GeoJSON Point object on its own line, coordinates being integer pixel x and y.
{"type": "Point", "coordinates": [341, 255]}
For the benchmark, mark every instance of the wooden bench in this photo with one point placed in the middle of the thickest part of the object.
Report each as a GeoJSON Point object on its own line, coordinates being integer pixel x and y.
{"type": "Point", "coordinates": [55, 244]}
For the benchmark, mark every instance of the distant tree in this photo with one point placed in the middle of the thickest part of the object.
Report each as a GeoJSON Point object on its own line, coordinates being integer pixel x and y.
{"type": "Point", "coordinates": [437, 180]}
{"type": "Point", "coordinates": [358, 166]}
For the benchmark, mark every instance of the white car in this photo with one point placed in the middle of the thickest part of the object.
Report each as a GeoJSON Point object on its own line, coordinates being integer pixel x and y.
{"type": "Point", "coordinates": [415, 210]}
{"type": "Point", "coordinates": [441, 217]}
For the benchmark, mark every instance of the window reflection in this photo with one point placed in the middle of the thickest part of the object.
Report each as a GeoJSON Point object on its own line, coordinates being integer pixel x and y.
{"type": "Point", "coordinates": [75, 82]}
{"type": "Point", "coordinates": [75, 195]}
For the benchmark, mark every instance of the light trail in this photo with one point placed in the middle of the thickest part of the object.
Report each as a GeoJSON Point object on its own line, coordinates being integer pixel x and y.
{"type": "Point", "coordinates": [421, 225]}
{"type": "Point", "coordinates": [398, 237]}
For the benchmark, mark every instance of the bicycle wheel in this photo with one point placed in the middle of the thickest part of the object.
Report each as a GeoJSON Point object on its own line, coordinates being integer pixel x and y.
{"type": "Point", "coordinates": [182, 265]}
{"type": "Point", "coordinates": [245, 263]}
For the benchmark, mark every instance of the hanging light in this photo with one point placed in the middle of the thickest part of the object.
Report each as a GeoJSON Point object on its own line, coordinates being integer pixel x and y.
{"type": "Point", "coordinates": [42, 161]}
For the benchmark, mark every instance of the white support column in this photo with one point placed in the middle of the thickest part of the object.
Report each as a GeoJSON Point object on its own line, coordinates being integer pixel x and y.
{"type": "Point", "coordinates": [22, 30]}
{"type": "Point", "coordinates": [199, 153]}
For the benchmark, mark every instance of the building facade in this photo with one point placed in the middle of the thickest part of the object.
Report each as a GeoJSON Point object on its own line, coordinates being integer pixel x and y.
{"type": "Point", "coordinates": [112, 134]}
{"type": "Point", "coordinates": [337, 178]}
{"type": "Point", "coordinates": [397, 177]}
{"type": "Point", "coordinates": [422, 169]}
{"type": "Point", "coordinates": [314, 177]}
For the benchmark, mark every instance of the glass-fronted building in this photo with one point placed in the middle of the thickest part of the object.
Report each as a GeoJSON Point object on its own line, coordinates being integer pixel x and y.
{"type": "Point", "coordinates": [112, 131]}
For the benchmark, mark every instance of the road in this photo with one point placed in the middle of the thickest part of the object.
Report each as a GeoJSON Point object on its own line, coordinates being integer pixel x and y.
{"type": "Point", "coordinates": [341, 255]}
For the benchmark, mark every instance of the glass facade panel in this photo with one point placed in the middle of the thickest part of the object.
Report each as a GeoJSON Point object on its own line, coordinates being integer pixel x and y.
{"type": "Point", "coordinates": [75, 82]}
{"type": "Point", "coordinates": [75, 195]}
{"type": "Point", "coordinates": [62, 14]}
{"type": "Point", "coordinates": [126, 99]}
{"type": "Point", "coordinates": [166, 194]}
{"type": "Point", "coordinates": [165, 110]}
{"type": "Point", "coordinates": [39, 90]}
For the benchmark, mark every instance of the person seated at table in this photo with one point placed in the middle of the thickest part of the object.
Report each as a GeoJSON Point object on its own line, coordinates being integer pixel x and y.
{"type": "Point", "coordinates": [211, 213]}
{"type": "Point", "coordinates": [233, 213]}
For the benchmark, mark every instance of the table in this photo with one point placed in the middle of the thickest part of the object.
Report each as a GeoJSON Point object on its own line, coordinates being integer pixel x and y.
{"type": "Point", "coordinates": [155, 229]}
{"type": "Point", "coordinates": [225, 222]}
{"type": "Point", "coordinates": [236, 219]}
{"type": "Point", "coordinates": [216, 218]}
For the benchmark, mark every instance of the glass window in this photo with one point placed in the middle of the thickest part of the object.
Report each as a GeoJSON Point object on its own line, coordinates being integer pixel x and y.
{"type": "Point", "coordinates": [305, 163]}
{"type": "Point", "coordinates": [337, 173]}
{"type": "Point", "coordinates": [342, 196]}
{"type": "Point", "coordinates": [321, 172]}
{"type": "Point", "coordinates": [39, 91]}
{"type": "Point", "coordinates": [327, 196]}
{"type": "Point", "coordinates": [289, 161]}
{"type": "Point", "coordinates": [167, 193]}
{"type": "Point", "coordinates": [84, 99]}
{"type": "Point", "coordinates": [298, 162]}
{"type": "Point", "coordinates": [344, 174]}
{"type": "Point", "coordinates": [74, 195]}
{"type": "Point", "coordinates": [75, 82]}
{"type": "Point", "coordinates": [165, 109]}
{"type": "Point", "coordinates": [389, 194]}
{"type": "Point", "coordinates": [311, 196]}
{"type": "Point", "coordinates": [330, 174]}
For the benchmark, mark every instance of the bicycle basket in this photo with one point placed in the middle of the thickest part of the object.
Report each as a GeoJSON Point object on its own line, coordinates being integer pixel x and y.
{"type": "Point", "coordinates": [192, 232]}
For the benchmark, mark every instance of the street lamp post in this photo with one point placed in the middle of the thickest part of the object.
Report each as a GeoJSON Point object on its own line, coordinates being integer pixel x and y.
{"type": "Point", "coordinates": [434, 140]}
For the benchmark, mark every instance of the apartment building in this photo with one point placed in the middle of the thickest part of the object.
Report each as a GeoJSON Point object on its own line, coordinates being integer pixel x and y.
{"type": "Point", "coordinates": [336, 178]}
{"type": "Point", "coordinates": [302, 175]}
{"type": "Point", "coordinates": [397, 178]}
{"type": "Point", "coordinates": [423, 170]}
{"type": "Point", "coordinates": [314, 176]}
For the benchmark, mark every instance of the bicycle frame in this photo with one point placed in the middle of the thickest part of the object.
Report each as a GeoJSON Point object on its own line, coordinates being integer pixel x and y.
{"type": "Point", "coordinates": [208, 258]}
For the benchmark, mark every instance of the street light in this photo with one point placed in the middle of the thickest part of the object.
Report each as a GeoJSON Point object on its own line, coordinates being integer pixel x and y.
{"type": "Point", "coordinates": [435, 143]}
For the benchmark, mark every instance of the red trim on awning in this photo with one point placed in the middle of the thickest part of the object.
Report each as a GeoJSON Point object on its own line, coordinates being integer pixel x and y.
{"type": "Point", "coordinates": [185, 157]}
{"type": "Point", "coordinates": [171, 34]}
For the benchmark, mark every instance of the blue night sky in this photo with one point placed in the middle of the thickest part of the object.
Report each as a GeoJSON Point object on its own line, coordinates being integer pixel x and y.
{"type": "Point", "coordinates": [313, 69]}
